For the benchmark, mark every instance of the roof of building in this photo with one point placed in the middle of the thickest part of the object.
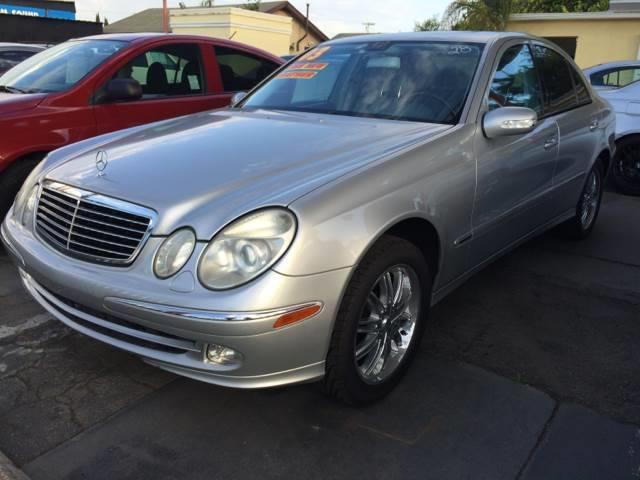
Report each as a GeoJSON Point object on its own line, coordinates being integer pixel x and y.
{"type": "Point", "coordinates": [606, 15]}
{"type": "Point", "coordinates": [150, 20]}
{"type": "Point", "coordinates": [273, 7]}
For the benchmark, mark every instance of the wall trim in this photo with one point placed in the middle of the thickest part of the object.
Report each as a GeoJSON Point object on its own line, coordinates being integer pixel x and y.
{"type": "Point", "coordinates": [230, 25]}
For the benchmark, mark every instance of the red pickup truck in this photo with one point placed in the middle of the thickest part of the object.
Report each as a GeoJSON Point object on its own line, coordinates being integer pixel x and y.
{"type": "Point", "coordinates": [95, 85]}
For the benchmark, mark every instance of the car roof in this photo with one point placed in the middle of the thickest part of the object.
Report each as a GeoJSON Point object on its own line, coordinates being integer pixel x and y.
{"type": "Point", "coordinates": [607, 66]}
{"type": "Point", "coordinates": [450, 36]}
{"type": "Point", "coordinates": [21, 46]}
{"type": "Point", "coordinates": [150, 37]}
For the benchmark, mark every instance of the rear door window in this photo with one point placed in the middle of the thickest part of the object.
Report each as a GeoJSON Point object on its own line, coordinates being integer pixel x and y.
{"type": "Point", "coordinates": [616, 77]}
{"type": "Point", "coordinates": [559, 93]}
{"type": "Point", "coordinates": [241, 71]}
{"type": "Point", "coordinates": [170, 70]}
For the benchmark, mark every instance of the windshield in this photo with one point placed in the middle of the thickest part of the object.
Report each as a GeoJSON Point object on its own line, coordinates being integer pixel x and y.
{"type": "Point", "coordinates": [58, 68]}
{"type": "Point", "coordinates": [417, 81]}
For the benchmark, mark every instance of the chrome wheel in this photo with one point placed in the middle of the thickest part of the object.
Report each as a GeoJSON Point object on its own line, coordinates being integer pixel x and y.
{"type": "Point", "coordinates": [590, 200]}
{"type": "Point", "coordinates": [387, 323]}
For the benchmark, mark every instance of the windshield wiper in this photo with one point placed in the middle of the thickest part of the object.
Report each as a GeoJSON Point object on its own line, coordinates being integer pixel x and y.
{"type": "Point", "coordinates": [9, 89]}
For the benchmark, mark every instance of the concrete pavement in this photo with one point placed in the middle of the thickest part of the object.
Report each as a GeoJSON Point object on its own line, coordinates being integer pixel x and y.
{"type": "Point", "coordinates": [528, 371]}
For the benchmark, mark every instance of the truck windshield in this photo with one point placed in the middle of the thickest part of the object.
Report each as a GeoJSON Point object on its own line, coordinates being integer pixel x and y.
{"type": "Point", "coordinates": [424, 81]}
{"type": "Point", "coordinates": [58, 68]}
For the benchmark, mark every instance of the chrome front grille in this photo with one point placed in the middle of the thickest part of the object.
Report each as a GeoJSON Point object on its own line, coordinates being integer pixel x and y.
{"type": "Point", "coordinates": [91, 226]}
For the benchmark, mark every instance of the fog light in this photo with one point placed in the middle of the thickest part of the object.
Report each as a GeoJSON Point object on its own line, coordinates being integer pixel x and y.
{"type": "Point", "coordinates": [223, 355]}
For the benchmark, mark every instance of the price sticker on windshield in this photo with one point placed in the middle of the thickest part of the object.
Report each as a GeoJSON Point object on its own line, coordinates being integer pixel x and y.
{"type": "Point", "coordinates": [298, 75]}
{"type": "Point", "coordinates": [307, 66]}
{"type": "Point", "coordinates": [315, 54]}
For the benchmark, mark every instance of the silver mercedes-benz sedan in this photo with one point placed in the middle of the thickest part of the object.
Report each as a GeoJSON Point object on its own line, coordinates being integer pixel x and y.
{"type": "Point", "coordinates": [304, 233]}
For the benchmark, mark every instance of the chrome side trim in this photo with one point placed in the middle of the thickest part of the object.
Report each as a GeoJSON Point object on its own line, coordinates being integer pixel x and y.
{"type": "Point", "coordinates": [209, 315]}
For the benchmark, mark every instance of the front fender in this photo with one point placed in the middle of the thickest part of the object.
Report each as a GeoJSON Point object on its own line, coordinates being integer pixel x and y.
{"type": "Point", "coordinates": [339, 222]}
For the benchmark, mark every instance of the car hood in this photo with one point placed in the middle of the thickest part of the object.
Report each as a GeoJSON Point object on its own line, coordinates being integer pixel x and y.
{"type": "Point", "coordinates": [205, 170]}
{"type": "Point", "coordinates": [15, 102]}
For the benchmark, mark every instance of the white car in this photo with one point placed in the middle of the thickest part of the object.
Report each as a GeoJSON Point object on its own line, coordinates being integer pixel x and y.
{"type": "Point", "coordinates": [619, 83]}
{"type": "Point", "coordinates": [12, 54]}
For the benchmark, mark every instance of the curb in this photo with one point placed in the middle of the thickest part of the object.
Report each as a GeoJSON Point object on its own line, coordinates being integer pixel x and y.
{"type": "Point", "coordinates": [8, 471]}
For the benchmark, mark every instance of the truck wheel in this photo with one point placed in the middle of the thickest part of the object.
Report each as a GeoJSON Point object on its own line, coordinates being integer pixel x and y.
{"type": "Point", "coordinates": [379, 323]}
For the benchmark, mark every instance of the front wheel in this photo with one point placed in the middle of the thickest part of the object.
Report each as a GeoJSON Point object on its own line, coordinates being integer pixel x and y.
{"type": "Point", "coordinates": [581, 225]}
{"type": "Point", "coordinates": [379, 323]}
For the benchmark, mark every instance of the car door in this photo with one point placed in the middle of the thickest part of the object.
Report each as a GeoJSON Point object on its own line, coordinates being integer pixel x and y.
{"type": "Point", "coordinates": [174, 80]}
{"type": "Point", "coordinates": [514, 173]}
{"type": "Point", "coordinates": [568, 101]}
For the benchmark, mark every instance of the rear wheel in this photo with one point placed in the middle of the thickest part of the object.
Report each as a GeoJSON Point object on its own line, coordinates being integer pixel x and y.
{"type": "Point", "coordinates": [379, 323]}
{"type": "Point", "coordinates": [625, 171]}
{"type": "Point", "coordinates": [588, 207]}
{"type": "Point", "coordinates": [12, 179]}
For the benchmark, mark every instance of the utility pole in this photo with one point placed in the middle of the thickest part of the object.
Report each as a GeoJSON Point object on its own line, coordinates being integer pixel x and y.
{"type": "Point", "coordinates": [165, 17]}
{"type": "Point", "coordinates": [368, 25]}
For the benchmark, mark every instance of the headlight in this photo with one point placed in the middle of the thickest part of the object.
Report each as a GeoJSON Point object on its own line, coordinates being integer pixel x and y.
{"type": "Point", "coordinates": [174, 253]}
{"type": "Point", "coordinates": [30, 207]}
{"type": "Point", "coordinates": [246, 248]}
{"type": "Point", "coordinates": [25, 205]}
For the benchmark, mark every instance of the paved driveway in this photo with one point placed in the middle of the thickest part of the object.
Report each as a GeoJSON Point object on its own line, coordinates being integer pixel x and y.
{"type": "Point", "coordinates": [530, 370]}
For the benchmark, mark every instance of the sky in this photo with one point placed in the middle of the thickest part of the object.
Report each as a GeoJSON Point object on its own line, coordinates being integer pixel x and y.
{"type": "Point", "coordinates": [331, 16]}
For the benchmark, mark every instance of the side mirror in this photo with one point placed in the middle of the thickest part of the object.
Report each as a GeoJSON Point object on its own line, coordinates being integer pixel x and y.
{"type": "Point", "coordinates": [119, 89]}
{"type": "Point", "coordinates": [237, 98]}
{"type": "Point", "coordinates": [509, 121]}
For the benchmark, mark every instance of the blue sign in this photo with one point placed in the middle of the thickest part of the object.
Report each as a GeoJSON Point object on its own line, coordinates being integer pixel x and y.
{"type": "Point", "coordinates": [35, 12]}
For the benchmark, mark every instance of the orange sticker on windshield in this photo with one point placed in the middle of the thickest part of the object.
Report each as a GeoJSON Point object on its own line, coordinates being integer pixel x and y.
{"type": "Point", "coordinates": [298, 75]}
{"type": "Point", "coordinates": [307, 66]}
{"type": "Point", "coordinates": [315, 54]}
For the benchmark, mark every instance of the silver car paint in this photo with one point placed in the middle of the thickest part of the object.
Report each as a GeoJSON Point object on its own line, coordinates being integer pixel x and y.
{"type": "Point", "coordinates": [348, 180]}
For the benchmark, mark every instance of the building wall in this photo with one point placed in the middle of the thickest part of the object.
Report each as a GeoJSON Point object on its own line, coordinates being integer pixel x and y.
{"type": "Point", "coordinates": [268, 32]}
{"type": "Point", "coordinates": [21, 29]}
{"type": "Point", "coordinates": [598, 41]}
{"type": "Point", "coordinates": [297, 32]}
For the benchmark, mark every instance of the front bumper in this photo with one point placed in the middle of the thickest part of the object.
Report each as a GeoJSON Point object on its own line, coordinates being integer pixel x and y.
{"type": "Point", "coordinates": [171, 322]}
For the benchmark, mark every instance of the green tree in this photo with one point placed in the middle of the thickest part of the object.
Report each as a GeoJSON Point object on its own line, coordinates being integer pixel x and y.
{"type": "Point", "coordinates": [478, 14]}
{"type": "Point", "coordinates": [428, 25]}
{"type": "Point", "coordinates": [494, 14]}
{"type": "Point", "coordinates": [206, 3]}
{"type": "Point", "coordinates": [106, 22]}
{"type": "Point", "coordinates": [564, 6]}
{"type": "Point", "coordinates": [98, 18]}
{"type": "Point", "coordinates": [252, 5]}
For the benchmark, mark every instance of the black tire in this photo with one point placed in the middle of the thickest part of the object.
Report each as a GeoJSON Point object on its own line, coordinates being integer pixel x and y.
{"type": "Point", "coordinates": [625, 169]}
{"type": "Point", "coordinates": [576, 228]}
{"type": "Point", "coordinates": [342, 379]}
{"type": "Point", "coordinates": [12, 179]}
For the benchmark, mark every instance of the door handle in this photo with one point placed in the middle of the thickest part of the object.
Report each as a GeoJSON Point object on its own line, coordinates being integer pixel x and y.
{"type": "Point", "coordinates": [550, 143]}
{"type": "Point", "coordinates": [594, 124]}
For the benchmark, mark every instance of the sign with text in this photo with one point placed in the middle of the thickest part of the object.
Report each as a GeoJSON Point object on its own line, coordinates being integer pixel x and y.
{"type": "Point", "coordinates": [35, 12]}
